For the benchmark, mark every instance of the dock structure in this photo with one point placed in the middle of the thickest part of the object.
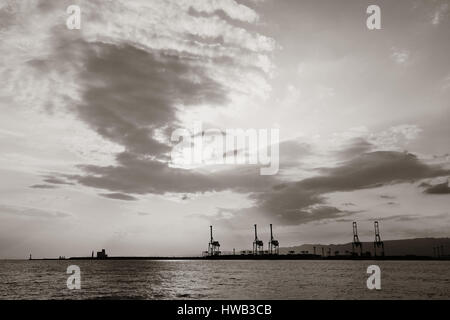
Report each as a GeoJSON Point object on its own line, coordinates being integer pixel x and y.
{"type": "Point", "coordinates": [102, 254]}
{"type": "Point", "coordinates": [258, 252]}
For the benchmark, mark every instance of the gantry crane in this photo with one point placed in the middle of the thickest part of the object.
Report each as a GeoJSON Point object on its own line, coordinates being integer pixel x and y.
{"type": "Point", "coordinates": [378, 243]}
{"type": "Point", "coordinates": [356, 243]}
{"type": "Point", "coordinates": [213, 246]}
{"type": "Point", "coordinates": [273, 244]}
{"type": "Point", "coordinates": [258, 245]}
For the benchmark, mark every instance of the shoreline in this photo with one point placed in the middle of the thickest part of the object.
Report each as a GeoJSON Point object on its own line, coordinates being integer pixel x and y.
{"type": "Point", "coordinates": [261, 257]}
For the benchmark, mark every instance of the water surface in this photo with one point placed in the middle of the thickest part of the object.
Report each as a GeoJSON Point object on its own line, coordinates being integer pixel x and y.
{"type": "Point", "coordinates": [243, 279]}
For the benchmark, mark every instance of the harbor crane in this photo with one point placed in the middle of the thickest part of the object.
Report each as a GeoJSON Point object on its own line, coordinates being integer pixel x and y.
{"type": "Point", "coordinates": [213, 246]}
{"type": "Point", "coordinates": [273, 244]}
{"type": "Point", "coordinates": [258, 245]}
{"type": "Point", "coordinates": [378, 243]}
{"type": "Point", "coordinates": [356, 243]}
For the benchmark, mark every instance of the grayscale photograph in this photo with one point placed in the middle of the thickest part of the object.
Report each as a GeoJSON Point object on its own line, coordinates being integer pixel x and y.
{"type": "Point", "coordinates": [214, 150]}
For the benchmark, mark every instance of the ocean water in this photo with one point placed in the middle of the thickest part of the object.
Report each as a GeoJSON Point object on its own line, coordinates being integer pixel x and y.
{"type": "Point", "coordinates": [243, 279]}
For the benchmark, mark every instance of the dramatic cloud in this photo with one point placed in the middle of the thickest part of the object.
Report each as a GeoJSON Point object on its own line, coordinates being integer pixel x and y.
{"type": "Point", "coordinates": [130, 93]}
{"type": "Point", "coordinates": [43, 186]}
{"type": "Point", "coordinates": [141, 176]}
{"type": "Point", "coordinates": [87, 117]}
{"type": "Point", "coordinates": [297, 202]}
{"type": "Point", "coordinates": [441, 188]}
{"type": "Point", "coordinates": [53, 180]}
{"type": "Point", "coordinates": [118, 196]}
{"type": "Point", "coordinates": [135, 74]}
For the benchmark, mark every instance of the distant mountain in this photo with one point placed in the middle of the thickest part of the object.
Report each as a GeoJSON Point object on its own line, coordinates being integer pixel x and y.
{"type": "Point", "coordinates": [418, 247]}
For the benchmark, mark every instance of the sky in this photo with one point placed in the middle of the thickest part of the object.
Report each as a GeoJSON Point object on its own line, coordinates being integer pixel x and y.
{"type": "Point", "coordinates": [87, 117]}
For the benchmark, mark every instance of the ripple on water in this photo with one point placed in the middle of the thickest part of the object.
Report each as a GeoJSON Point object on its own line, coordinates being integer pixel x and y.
{"type": "Point", "coordinates": [139, 280]}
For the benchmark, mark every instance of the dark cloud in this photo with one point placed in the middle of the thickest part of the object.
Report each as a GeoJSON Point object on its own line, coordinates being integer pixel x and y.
{"type": "Point", "coordinates": [118, 196]}
{"type": "Point", "coordinates": [135, 174]}
{"type": "Point", "coordinates": [441, 188]}
{"type": "Point", "coordinates": [138, 174]}
{"type": "Point", "coordinates": [42, 186]}
{"type": "Point", "coordinates": [289, 204]}
{"type": "Point", "coordinates": [127, 94]}
{"type": "Point", "coordinates": [373, 168]}
{"type": "Point", "coordinates": [55, 180]}
{"type": "Point", "coordinates": [130, 92]}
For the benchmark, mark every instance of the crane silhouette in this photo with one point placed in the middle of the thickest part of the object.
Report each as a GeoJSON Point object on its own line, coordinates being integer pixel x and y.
{"type": "Point", "coordinates": [273, 244]}
{"type": "Point", "coordinates": [258, 245]}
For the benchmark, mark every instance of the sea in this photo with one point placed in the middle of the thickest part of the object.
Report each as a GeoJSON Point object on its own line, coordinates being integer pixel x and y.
{"type": "Point", "coordinates": [226, 279]}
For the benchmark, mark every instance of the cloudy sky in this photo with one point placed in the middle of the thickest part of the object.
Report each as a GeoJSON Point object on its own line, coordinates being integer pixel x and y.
{"type": "Point", "coordinates": [87, 116]}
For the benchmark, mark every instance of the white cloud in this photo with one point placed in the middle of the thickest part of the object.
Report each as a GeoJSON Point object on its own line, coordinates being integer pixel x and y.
{"type": "Point", "coordinates": [401, 56]}
{"type": "Point", "coordinates": [233, 9]}
{"type": "Point", "coordinates": [395, 138]}
{"type": "Point", "coordinates": [35, 85]}
{"type": "Point", "coordinates": [440, 13]}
